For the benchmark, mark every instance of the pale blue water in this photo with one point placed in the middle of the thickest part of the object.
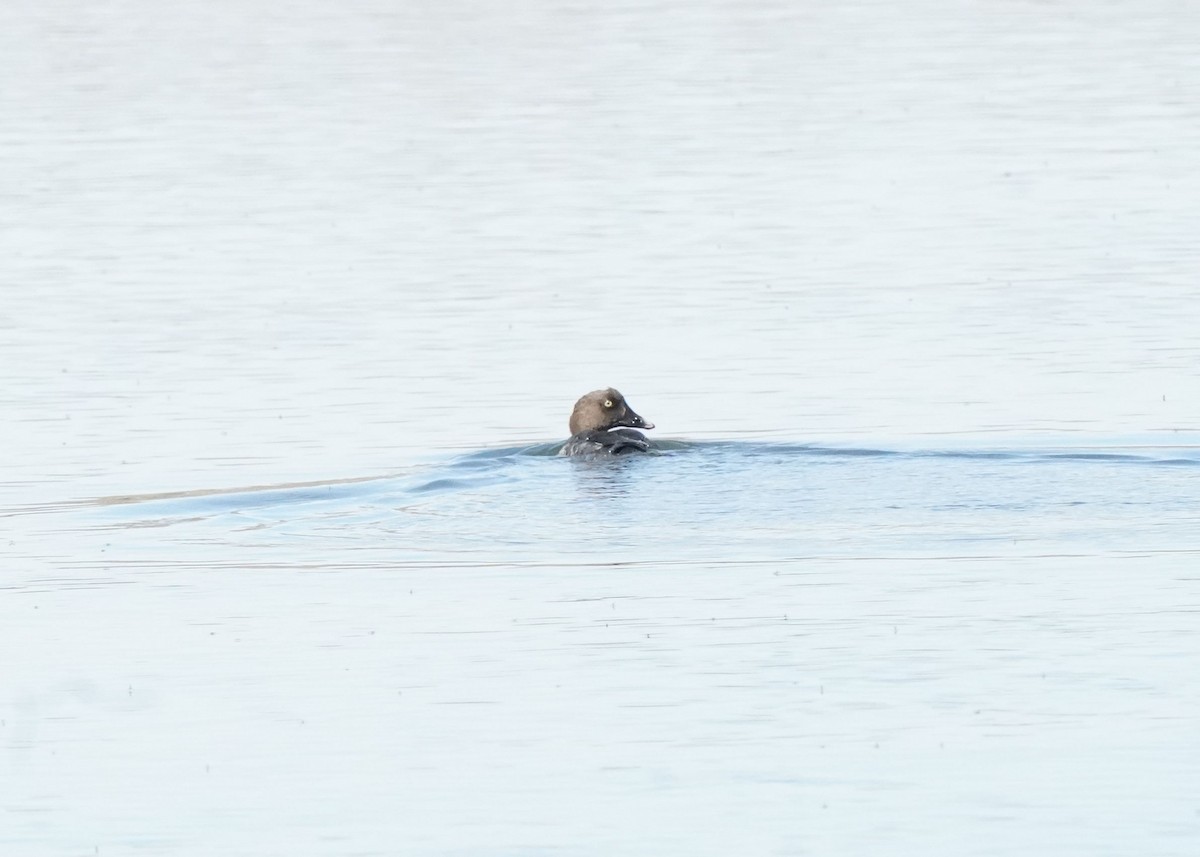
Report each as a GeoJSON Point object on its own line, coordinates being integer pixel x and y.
{"type": "Point", "coordinates": [294, 302]}
{"type": "Point", "coordinates": [711, 502]}
{"type": "Point", "coordinates": [726, 646]}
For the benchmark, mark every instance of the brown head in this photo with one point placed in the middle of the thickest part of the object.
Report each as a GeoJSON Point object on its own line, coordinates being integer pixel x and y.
{"type": "Point", "coordinates": [601, 410]}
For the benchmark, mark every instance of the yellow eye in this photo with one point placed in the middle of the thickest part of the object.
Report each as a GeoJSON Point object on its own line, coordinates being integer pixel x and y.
{"type": "Point", "coordinates": [608, 403]}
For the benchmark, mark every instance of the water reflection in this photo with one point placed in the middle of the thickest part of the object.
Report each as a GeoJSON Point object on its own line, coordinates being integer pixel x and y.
{"type": "Point", "coordinates": [608, 479]}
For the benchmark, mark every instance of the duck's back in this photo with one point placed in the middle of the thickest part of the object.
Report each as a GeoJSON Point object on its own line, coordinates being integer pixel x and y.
{"type": "Point", "coordinates": [615, 442]}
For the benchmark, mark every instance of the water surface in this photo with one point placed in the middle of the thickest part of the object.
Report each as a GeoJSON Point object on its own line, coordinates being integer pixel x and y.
{"type": "Point", "coordinates": [294, 302]}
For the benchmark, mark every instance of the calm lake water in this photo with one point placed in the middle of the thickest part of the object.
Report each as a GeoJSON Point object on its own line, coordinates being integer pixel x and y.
{"type": "Point", "coordinates": [295, 301]}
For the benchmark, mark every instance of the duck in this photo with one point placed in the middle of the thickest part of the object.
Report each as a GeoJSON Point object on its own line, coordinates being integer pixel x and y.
{"type": "Point", "coordinates": [602, 423]}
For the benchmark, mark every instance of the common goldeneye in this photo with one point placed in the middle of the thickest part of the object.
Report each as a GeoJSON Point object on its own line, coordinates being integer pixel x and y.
{"type": "Point", "coordinates": [595, 426]}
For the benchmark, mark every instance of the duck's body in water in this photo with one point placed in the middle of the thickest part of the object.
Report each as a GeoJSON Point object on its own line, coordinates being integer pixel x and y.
{"type": "Point", "coordinates": [602, 423]}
